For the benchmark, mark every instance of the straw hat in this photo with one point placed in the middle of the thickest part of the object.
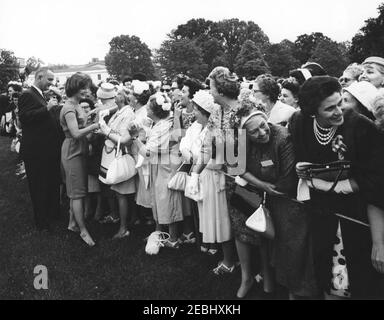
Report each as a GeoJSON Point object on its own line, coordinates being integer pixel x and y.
{"type": "Point", "coordinates": [106, 91]}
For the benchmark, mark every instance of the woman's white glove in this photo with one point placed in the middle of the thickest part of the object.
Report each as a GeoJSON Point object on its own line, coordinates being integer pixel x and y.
{"type": "Point", "coordinates": [105, 129]}
{"type": "Point", "coordinates": [186, 154]}
{"type": "Point", "coordinates": [103, 113]}
{"type": "Point", "coordinates": [194, 183]}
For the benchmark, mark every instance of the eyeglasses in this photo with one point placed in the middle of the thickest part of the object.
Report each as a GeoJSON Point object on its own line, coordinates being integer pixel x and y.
{"type": "Point", "coordinates": [344, 80]}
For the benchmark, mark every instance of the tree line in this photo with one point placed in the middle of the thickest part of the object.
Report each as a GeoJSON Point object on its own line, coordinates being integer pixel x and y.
{"type": "Point", "coordinates": [199, 45]}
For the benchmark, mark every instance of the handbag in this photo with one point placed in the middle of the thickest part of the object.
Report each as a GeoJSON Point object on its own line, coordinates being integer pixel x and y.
{"type": "Point", "coordinates": [179, 180]}
{"type": "Point", "coordinates": [194, 196]}
{"type": "Point", "coordinates": [261, 221]}
{"type": "Point", "coordinates": [246, 199]}
{"type": "Point", "coordinates": [331, 171]}
{"type": "Point", "coordinates": [121, 168]}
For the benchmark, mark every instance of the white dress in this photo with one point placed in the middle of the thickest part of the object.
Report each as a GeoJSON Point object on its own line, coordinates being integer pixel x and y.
{"type": "Point", "coordinates": [143, 194]}
{"type": "Point", "coordinates": [215, 224]}
{"type": "Point", "coordinates": [164, 160]}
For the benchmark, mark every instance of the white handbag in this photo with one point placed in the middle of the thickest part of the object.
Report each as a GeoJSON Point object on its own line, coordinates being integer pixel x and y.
{"type": "Point", "coordinates": [194, 196]}
{"type": "Point", "coordinates": [261, 221]}
{"type": "Point", "coordinates": [121, 168]}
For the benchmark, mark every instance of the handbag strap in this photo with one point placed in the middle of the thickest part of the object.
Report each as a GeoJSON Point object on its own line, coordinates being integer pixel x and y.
{"type": "Point", "coordinates": [118, 147]}
{"type": "Point", "coordinates": [334, 183]}
{"type": "Point", "coordinates": [264, 198]}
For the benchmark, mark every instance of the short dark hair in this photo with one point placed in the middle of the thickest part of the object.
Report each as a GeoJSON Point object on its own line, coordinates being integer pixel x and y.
{"type": "Point", "coordinates": [314, 91]}
{"type": "Point", "coordinates": [127, 79]}
{"type": "Point", "coordinates": [15, 87]}
{"type": "Point", "coordinates": [16, 95]}
{"type": "Point", "coordinates": [193, 86]}
{"type": "Point", "coordinates": [114, 82]}
{"type": "Point", "coordinates": [89, 101]}
{"type": "Point", "coordinates": [143, 97]}
{"type": "Point", "coordinates": [139, 76]}
{"type": "Point", "coordinates": [180, 79]}
{"type": "Point", "coordinates": [292, 85]}
{"type": "Point", "coordinates": [157, 110]}
{"type": "Point", "coordinates": [315, 69]}
{"type": "Point", "coordinates": [269, 87]}
{"type": "Point", "coordinates": [77, 82]}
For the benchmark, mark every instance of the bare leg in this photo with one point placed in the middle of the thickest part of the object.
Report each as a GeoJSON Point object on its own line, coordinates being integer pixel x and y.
{"type": "Point", "coordinates": [77, 206]}
{"type": "Point", "coordinates": [247, 280]}
{"type": "Point", "coordinates": [88, 206]}
{"type": "Point", "coordinates": [122, 200]}
{"type": "Point", "coordinates": [228, 253]}
{"type": "Point", "coordinates": [268, 274]}
{"type": "Point", "coordinates": [172, 232]}
{"type": "Point", "coordinates": [99, 210]}
{"type": "Point", "coordinates": [72, 225]}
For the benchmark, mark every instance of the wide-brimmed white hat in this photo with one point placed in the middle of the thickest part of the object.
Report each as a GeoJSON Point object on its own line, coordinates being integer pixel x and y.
{"type": "Point", "coordinates": [205, 101]}
{"type": "Point", "coordinates": [364, 92]}
{"type": "Point", "coordinates": [106, 91]}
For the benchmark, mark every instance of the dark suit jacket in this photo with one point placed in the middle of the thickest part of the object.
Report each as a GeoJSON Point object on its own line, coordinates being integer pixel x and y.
{"type": "Point", "coordinates": [40, 134]}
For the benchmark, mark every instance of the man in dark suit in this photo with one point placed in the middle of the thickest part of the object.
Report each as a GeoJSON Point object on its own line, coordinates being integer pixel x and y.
{"type": "Point", "coordinates": [40, 149]}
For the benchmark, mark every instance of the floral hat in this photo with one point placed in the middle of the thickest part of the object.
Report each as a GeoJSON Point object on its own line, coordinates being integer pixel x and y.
{"type": "Point", "coordinates": [139, 86]}
{"type": "Point", "coordinates": [163, 101]}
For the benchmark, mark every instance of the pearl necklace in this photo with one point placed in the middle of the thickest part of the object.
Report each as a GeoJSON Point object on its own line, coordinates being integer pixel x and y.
{"type": "Point", "coordinates": [323, 138]}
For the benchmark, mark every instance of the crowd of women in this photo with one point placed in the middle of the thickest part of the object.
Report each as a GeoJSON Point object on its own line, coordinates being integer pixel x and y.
{"type": "Point", "coordinates": [180, 141]}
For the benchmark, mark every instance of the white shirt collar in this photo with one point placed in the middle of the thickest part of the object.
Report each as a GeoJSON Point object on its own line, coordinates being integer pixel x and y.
{"type": "Point", "coordinates": [38, 90]}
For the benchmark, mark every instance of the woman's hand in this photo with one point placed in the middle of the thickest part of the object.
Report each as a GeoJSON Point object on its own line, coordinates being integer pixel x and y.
{"type": "Point", "coordinates": [133, 129]}
{"type": "Point", "coordinates": [105, 130]}
{"type": "Point", "coordinates": [302, 174]}
{"type": "Point", "coordinates": [270, 189]}
{"type": "Point", "coordinates": [377, 257]}
{"type": "Point", "coordinates": [194, 183]}
{"type": "Point", "coordinates": [178, 110]}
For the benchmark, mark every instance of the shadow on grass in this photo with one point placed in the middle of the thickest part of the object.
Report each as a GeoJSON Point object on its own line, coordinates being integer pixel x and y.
{"type": "Point", "coordinates": [114, 269]}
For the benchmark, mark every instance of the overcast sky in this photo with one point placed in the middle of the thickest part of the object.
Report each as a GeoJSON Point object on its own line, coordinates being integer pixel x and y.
{"type": "Point", "coordinates": [74, 31]}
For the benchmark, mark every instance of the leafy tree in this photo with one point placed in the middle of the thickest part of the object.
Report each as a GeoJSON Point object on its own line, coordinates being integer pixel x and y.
{"type": "Point", "coordinates": [213, 53]}
{"type": "Point", "coordinates": [233, 33]}
{"type": "Point", "coordinates": [369, 41]}
{"type": "Point", "coordinates": [128, 55]}
{"type": "Point", "coordinates": [193, 29]}
{"type": "Point", "coordinates": [305, 45]}
{"type": "Point", "coordinates": [181, 56]}
{"type": "Point", "coordinates": [9, 68]}
{"type": "Point", "coordinates": [250, 62]}
{"type": "Point", "coordinates": [331, 56]}
{"type": "Point", "coordinates": [281, 58]}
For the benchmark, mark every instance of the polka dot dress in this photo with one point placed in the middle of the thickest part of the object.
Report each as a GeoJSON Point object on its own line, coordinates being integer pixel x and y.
{"type": "Point", "coordinates": [339, 282]}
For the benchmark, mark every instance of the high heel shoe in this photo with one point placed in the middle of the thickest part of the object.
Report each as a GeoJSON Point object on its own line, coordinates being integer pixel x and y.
{"type": "Point", "coordinates": [87, 239]}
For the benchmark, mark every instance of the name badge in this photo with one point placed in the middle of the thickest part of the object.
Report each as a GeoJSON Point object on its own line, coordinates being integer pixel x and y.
{"type": "Point", "coordinates": [266, 163]}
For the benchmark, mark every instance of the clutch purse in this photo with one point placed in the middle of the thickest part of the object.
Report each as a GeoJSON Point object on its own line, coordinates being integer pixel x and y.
{"type": "Point", "coordinates": [331, 172]}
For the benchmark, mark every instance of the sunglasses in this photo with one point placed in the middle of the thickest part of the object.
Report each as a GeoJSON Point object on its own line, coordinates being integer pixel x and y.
{"type": "Point", "coordinates": [344, 80]}
{"type": "Point", "coordinates": [165, 90]}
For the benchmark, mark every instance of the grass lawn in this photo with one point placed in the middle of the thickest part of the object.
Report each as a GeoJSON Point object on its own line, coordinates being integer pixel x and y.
{"type": "Point", "coordinates": [111, 270]}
